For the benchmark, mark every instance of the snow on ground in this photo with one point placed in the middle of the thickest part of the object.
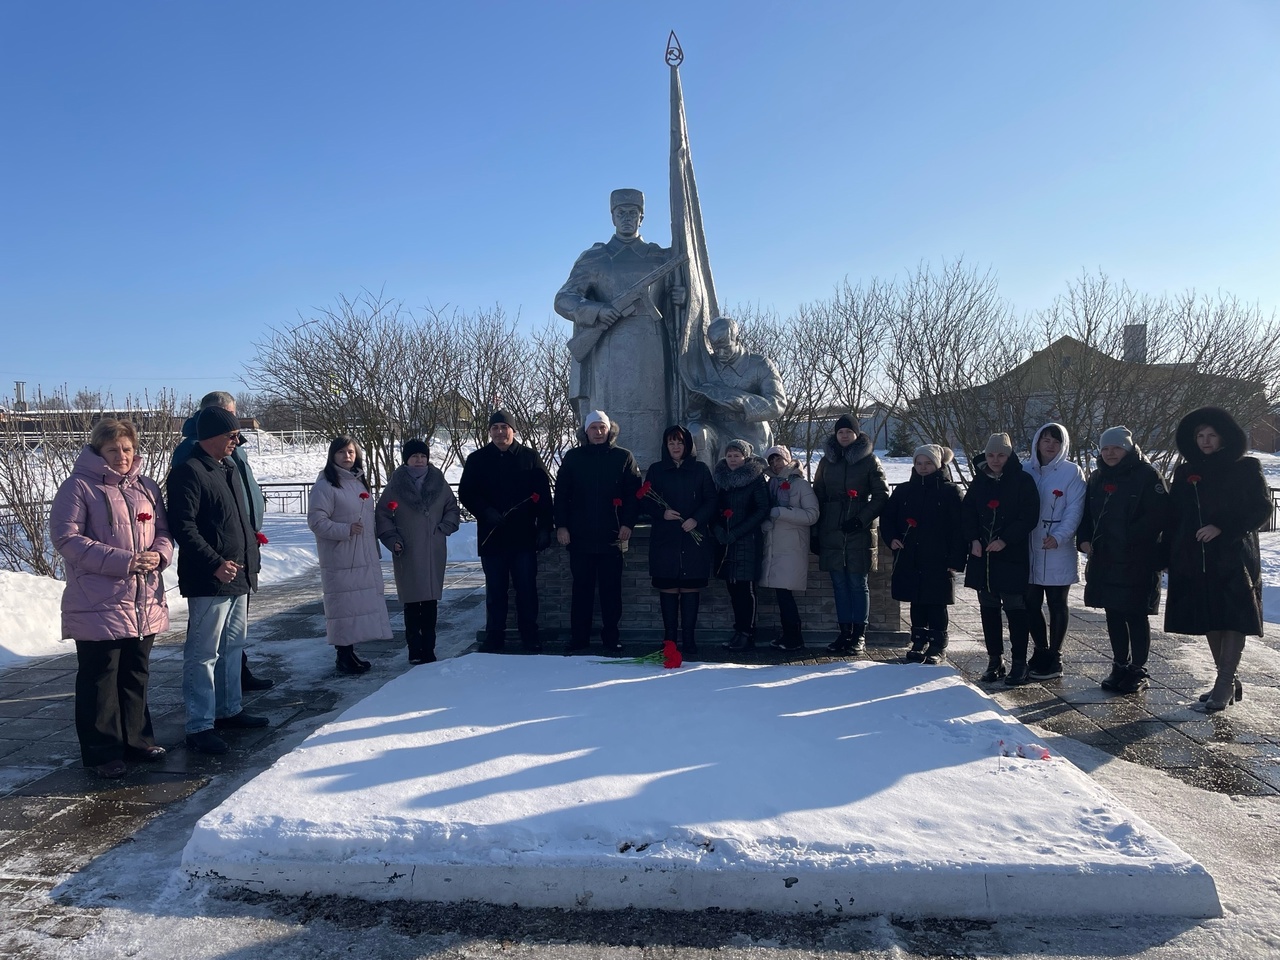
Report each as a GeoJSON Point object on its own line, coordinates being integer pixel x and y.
{"type": "Point", "coordinates": [903, 783]}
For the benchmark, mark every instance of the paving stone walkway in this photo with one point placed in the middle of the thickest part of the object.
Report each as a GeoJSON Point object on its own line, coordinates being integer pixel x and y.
{"type": "Point", "coordinates": [56, 817]}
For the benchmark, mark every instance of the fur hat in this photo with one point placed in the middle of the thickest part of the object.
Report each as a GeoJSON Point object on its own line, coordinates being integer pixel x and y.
{"type": "Point", "coordinates": [414, 446]}
{"type": "Point", "coordinates": [1116, 437]}
{"type": "Point", "coordinates": [214, 422]}
{"type": "Point", "coordinates": [626, 195]}
{"type": "Point", "coordinates": [742, 446]}
{"type": "Point", "coordinates": [500, 416]}
{"type": "Point", "coordinates": [596, 416]}
{"type": "Point", "coordinates": [847, 420]}
{"type": "Point", "coordinates": [999, 443]}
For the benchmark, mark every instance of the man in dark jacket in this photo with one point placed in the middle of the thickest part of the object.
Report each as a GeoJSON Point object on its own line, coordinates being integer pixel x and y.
{"type": "Point", "coordinates": [217, 568]}
{"type": "Point", "coordinates": [595, 510]}
{"type": "Point", "coordinates": [998, 513]}
{"type": "Point", "coordinates": [505, 487]}
{"type": "Point", "coordinates": [255, 502]}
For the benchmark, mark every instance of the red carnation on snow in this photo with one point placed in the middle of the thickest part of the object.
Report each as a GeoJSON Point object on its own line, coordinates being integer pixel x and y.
{"type": "Point", "coordinates": [144, 517]}
{"type": "Point", "coordinates": [671, 655]}
{"type": "Point", "coordinates": [262, 539]}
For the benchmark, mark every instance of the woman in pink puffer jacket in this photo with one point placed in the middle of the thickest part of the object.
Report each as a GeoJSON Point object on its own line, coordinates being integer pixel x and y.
{"type": "Point", "coordinates": [109, 525]}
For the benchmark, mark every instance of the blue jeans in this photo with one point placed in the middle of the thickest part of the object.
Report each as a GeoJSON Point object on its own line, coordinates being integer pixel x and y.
{"type": "Point", "coordinates": [216, 630]}
{"type": "Point", "coordinates": [853, 596]}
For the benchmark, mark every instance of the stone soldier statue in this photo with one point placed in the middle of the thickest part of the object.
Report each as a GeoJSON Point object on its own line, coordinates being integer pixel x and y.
{"type": "Point", "coordinates": [617, 296]}
{"type": "Point", "coordinates": [743, 394]}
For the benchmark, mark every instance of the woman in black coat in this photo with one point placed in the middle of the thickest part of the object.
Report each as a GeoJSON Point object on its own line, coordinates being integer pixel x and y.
{"type": "Point", "coordinates": [1220, 500]}
{"type": "Point", "coordinates": [921, 525]}
{"type": "Point", "coordinates": [1126, 509]}
{"type": "Point", "coordinates": [680, 544]}
{"type": "Point", "coordinates": [742, 506]}
{"type": "Point", "coordinates": [999, 511]}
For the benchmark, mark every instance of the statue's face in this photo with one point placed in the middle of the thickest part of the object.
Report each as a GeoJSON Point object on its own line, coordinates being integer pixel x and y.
{"type": "Point", "coordinates": [627, 219]}
{"type": "Point", "coordinates": [723, 345]}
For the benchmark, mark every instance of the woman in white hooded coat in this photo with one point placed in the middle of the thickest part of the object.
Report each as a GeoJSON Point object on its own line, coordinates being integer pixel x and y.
{"type": "Point", "coordinates": [341, 515]}
{"type": "Point", "coordinates": [1054, 561]}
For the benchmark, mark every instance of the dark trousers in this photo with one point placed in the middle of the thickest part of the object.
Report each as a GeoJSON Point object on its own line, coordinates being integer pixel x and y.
{"type": "Point", "coordinates": [1015, 608]}
{"type": "Point", "coordinates": [420, 625]}
{"type": "Point", "coordinates": [1130, 636]}
{"type": "Point", "coordinates": [742, 597]}
{"type": "Point", "coordinates": [594, 572]}
{"type": "Point", "coordinates": [519, 568]}
{"type": "Point", "coordinates": [111, 698]}
{"type": "Point", "coordinates": [1056, 597]}
{"type": "Point", "coordinates": [788, 612]}
{"type": "Point", "coordinates": [929, 616]}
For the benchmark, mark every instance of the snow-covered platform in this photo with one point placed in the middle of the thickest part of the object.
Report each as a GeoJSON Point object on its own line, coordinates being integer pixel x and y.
{"type": "Point", "coordinates": [545, 781]}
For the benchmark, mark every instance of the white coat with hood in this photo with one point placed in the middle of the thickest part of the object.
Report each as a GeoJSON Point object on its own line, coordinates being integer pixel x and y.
{"type": "Point", "coordinates": [1059, 516]}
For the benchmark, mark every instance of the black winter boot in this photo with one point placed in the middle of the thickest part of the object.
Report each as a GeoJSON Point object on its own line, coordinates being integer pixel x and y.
{"type": "Point", "coordinates": [858, 639]}
{"type": "Point", "coordinates": [791, 638]}
{"type": "Point", "coordinates": [689, 622]}
{"type": "Point", "coordinates": [669, 603]}
{"type": "Point", "coordinates": [1115, 678]}
{"type": "Point", "coordinates": [347, 662]}
{"type": "Point", "coordinates": [248, 682]}
{"type": "Point", "coordinates": [1223, 693]}
{"type": "Point", "coordinates": [937, 651]}
{"type": "Point", "coordinates": [843, 643]}
{"type": "Point", "coordinates": [919, 641]}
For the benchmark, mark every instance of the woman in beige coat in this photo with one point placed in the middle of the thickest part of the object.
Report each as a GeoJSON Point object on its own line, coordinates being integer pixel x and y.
{"type": "Point", "coordinates": [785, 568]}
{"type": "Point", "coordinates": [340, 514]}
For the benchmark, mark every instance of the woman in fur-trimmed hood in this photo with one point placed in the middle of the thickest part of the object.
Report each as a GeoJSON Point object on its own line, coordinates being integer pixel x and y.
{"type": "Point", "coordinates": [742, 506]}
{"type": "Point", "coordinates": [852, 492]}
{"type": "Point", "coordinates": [1219, 502]}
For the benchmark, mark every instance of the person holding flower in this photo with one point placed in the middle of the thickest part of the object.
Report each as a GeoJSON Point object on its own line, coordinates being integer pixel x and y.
{"type": "Point", "coordinates": [108, 522]}
{"type": "Point", "coordinates": [416, 513]}
{"type": "Point", "coordinates": [1126, 509]}
{"type": "Point", "coordinates": [742, 507]}
{"type": "Point", "coordinates": [921, 525]}
{"type": "Point", "coordinates": [1219, 502]}
{"type": "Point", "coordinates": [998, 513]}
{"type": "Point", "coordinates": [1054, 562]}
{"type": "Point", "coordinates": [505, 487]}
{"type": "Point", "coordinates": [595, 510]}
{"type": "Point", "coordinates": [793, 510]}
{"type": "Point", "coordinates": [851, 491]}
{"type": "Point", "coordinates": [340, 514]}
{"type": "Point", "coordinates": [680, 499]}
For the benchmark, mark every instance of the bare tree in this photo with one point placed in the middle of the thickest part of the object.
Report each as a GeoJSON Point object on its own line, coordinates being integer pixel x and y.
{"type": "Point", "coordinates": [539, 395]}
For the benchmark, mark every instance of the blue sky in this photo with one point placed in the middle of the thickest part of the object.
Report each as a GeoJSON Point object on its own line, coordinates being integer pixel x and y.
{"type": "Point", "coordinates": [179, 177]}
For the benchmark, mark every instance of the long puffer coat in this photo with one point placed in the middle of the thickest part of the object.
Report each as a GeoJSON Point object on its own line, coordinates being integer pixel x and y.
{"type": "Point", "coordinates": [355, 608]}
{"type": "Point", "coordinates": [849, 483]}
{"type": "Point", "coordinates": [793, 511]}
{"type": "Point", "coordinates": [924, 514]}
{"type": "Point", "coordinates": [1126, 511]}
{"type": "Point", "coordinates": [1061, 486]}
{"type": "Point", "coordinates": [743, 506]}
{"type": "Point", "coordinates": [687, 487]}
{"type": "Point", "coordinates": [420, 522]}
{"type": "Point", "coordinates": [1004, 507]}
{"type": "Point", "coordinates": [1215, 585]}
{"type": "Point", "coordinates": [99, 520]}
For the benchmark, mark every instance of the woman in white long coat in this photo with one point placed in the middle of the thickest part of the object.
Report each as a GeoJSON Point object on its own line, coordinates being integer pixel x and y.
{"type": "Point", "coordinates": [1054, 561]}
{"type": "Point", "coordinates": [341, 515]}
{"type": "Point", "coordinates": [785, 566]}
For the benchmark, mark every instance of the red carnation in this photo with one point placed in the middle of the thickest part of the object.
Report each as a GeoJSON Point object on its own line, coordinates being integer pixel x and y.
{"type": "Point", "coordinates": [644, 490]}
{"type": "Point", "coordinates": [993, 504]}
{"type": "Point", "coordinates": [911, 522]}
{"type": "Point", "coordinates": [1057, 493]}
{"type": "Point", "coordinates": [1109, 488]}
{"type": "Point", "coordinates": [391, 504]}
{"type": "Point", "coordinates": [853, 494]}
{"type": "Point", "coordinates": [727, 514]}
{"type": "Point", "coordinates": [1194, 478]}
{"type": "Point", "coordinates": [364, 494]}
{"type": "Point", "coordinates": [671, 655]}
{"type": "Point", "coordinates": [617, 501]}
{"type": "Point", "coordinates": [785, 485]}
{"type": "Point", "coordinates": [144, 517]}
{"type": "Point", "coordinates": [262, 539]}
{"type": "Point", "coordinates": [534, 497]}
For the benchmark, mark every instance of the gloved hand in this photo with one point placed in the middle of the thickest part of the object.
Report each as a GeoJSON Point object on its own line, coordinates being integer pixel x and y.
{"type": "Point", "coordinates": [543, 539]}
{"type": "Point", "coordinates": [852, 525]}
{"type": "Point", "coordinates": [775, 513]}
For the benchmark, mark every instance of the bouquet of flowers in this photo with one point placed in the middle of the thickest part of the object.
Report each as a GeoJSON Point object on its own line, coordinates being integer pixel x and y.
{"type": "Point", "coordinates": [668, 656]}
{"type": "Point", "coordinates": [646, 491]}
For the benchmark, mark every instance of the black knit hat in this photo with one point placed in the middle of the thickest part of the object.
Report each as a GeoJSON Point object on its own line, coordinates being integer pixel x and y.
{"type": "Point", "coordinates": [414, 446]}
{"type": "Point", "coordinates": [847, 420]}
{"type": "Point", "coordinates": [500, 416]}
{"type": "Point", "coordinates": [214, 422]}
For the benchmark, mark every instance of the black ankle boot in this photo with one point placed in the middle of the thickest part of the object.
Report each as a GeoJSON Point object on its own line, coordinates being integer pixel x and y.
{"type": "Point", "coordinates": [857, 639]}
{"type": "Point", "coordinates": [994, 671]}
{"type": "Point", "coordinates": [843, 643]}
{"type": "Point", "coordinates": [248, 682]}
{"type": "Point", "coordinates": [347, 662]}
{"type": "Point", "coordinates": [741, 640]}
{"type": "Point", "coordinates": [937, 651]}
{"type": "Point", "coordinates": [919, 641]}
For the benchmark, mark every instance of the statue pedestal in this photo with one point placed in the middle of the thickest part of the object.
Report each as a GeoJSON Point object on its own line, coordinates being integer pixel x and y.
{"type": "Point", "coordinates": [642, 618]}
